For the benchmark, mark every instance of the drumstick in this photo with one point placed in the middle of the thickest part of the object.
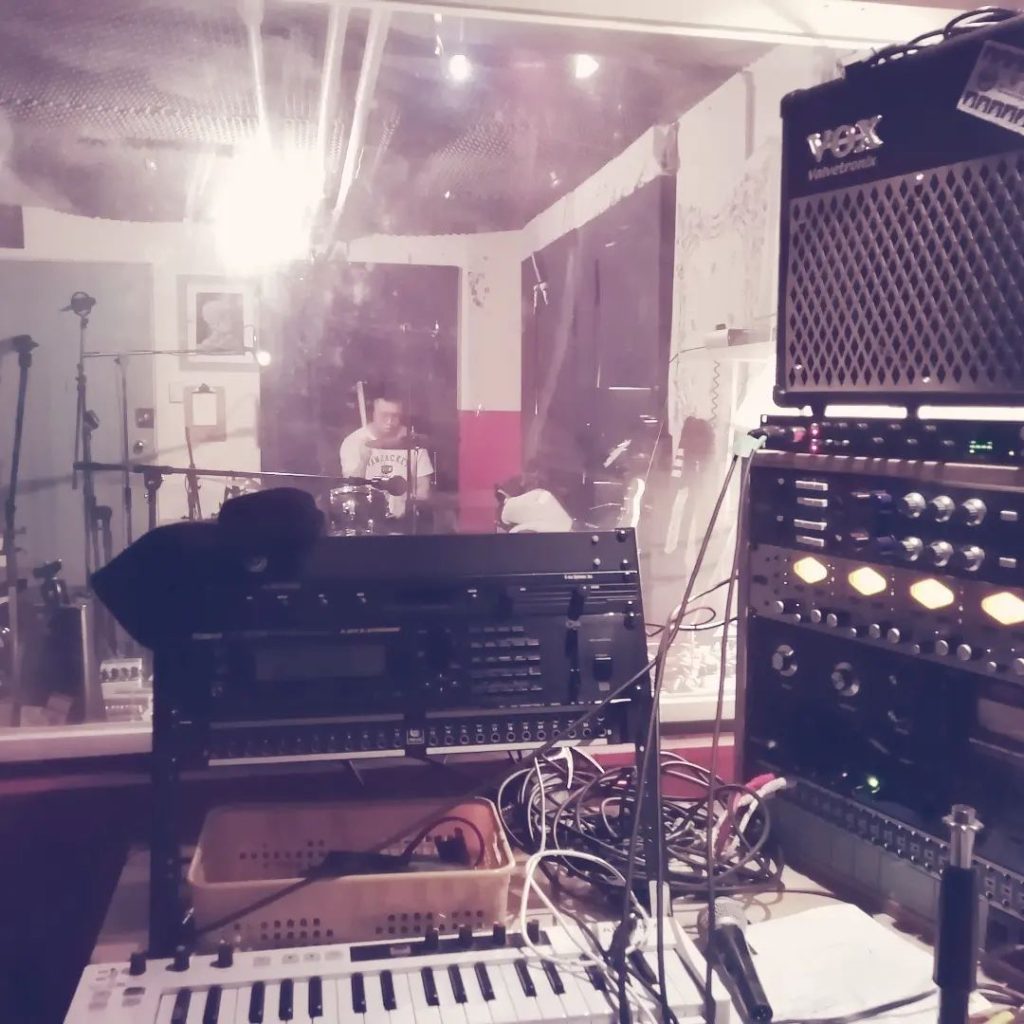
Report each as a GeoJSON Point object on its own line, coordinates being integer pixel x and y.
{"type": "Point", "coordinates": [361, 396]}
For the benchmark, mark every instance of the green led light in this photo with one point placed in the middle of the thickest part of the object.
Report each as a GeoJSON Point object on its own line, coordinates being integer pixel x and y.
{"type": "Point", "coordinates": [980, 446]}
{"type": "Point", "coordinates": [873, 784]}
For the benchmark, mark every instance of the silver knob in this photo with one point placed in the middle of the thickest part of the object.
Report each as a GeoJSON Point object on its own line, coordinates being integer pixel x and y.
{"type": "Point", "coordinates": [1018, 666]}
{"type": "Point", "coordinates": [940, 552]}
{"type": "Point", "coordinates": [965, 652]}
{"type": "Point", "coordinates": [971, 557]}
{"type": "Point", "coordinates": [912, 548]}
{"type": "Point", "coordinates": [942, 648]}
{"type": "Point", "coordinates": [893, 635]}
{"type": "Point", "coordinates": [816, 615]}
{"type": "Point", "coordinates": [942, 508]}
{"type": "Point", "coordinates": [912, 504]}
{"type": "Point", "coordinates": [875, 631]}
{"type": "Point", "coordinates": [974, 511]}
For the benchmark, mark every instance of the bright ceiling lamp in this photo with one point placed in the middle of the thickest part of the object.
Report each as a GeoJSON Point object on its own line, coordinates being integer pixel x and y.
{"type": "Point", "coordinates": [460, 67]}
{"type": "Point", "coordinates": [584, 66]}
{"type": "Point", "coordinates": [932, 594]}
{"type": "Point", "coordinates": [810, 570]}
{"type": "Point", "coordinates": [265, 205]}
{"type": "Point", "coordinates": [867, 581]}
{"type": "Point", "coordinates": [1006, 608]}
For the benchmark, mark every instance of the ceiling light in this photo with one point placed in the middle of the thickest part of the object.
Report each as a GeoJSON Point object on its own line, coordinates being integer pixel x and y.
{"type": "Point", "coordinates": [460, 68]}
{"type": "Point", "coordinates": [932, 594]}
{"type": "Point", "coordinates": [263, 357]}
{"type": "Point", "coordinates": [867, 581]}
{"type": "Point", "coordinates": [584, 66]}
{"type": "Point", "coordinates": [810, 570]}
{"type": "Point", "coordinates": [448, 194]}
{"type": "Point", "coordinates": [1006, 608]}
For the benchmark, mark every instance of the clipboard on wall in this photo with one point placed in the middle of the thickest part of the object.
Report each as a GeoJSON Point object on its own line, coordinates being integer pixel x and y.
{"type": "Point", "coordinates": [205, 414]}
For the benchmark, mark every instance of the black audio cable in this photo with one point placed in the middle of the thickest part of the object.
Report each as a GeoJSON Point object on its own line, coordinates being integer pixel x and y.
{"type": "Point", "coordinates": [968, 21]}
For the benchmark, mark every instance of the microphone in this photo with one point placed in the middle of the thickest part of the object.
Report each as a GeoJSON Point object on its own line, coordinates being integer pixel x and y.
{"type": "Point", "coordinates": [727, 948]}
{"type": "Point", "coordinates": [81, 303]}
{"type": "Point", "coordinates": [20, 343]}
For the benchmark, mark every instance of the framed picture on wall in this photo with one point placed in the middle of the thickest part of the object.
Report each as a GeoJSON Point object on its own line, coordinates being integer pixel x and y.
{"type": "Point", "coordinates": [219, 318]}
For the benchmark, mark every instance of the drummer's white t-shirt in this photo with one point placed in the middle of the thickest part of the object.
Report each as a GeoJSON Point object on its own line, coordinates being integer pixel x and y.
{"type": "Point", "coordinates": [358, 459]}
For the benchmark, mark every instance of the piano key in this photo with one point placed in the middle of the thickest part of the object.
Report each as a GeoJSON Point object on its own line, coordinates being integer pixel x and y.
{"type": "Point", "coordinates": [387, 990]}
{"type": "Point", "coordinates": [404, 1011]}
{"type": "Point", "coordinates": [373, 995]}
{"type": "Point", "coordinates": [518, 986]}
{"type": "Point", "coordinates": [316, 998]}
{"type": "Point", "coordinates": [179, 1011]}
{"type": "Point", "coordinates": [503, 1009]}
{"type": "Point", "coordinates": [478, 1009]}
{"type": "Point", "coordinates": [286, 1000]}
{"type": "Point", "coordinates": [452, 1011]}
{"type": "Point", "coordinates": [423, 1012]}
{"type": "Point", "coordinates": [576, 1007]}
{"type": "Point", "coordinates": [165, 1009]}
{"type": "Point", "coordinates": [554, 978]}
{"type": "Point", "coordinates": [271, 998]}
{"type": "Point", "coordinates": [257, 996]}
{"type": "Point", "coordinates": [684, 995]}
{"type": "Point", "coordinates": [594, 989]}
{"type": "Point", "coordinates": [551, 1008]}
{"type": "Point", "coordinates": [358, 989]}
{"type": "Point", "coordinates": [300, 1002]}
{"type": "Point", "coordinates": [429, 986]}
{"type": "Point", "coordinates": [522, 972]}
{"type": "Point", "coordinates": [196, 1007]}
{"type": "Point", "coordinates": [333, 1004]}
{"type": "Point", "coordinates": [228, 1006]}
{"type": "Point", "coordinates": [458, 987]}
{"type": "Point", "coordinates": [483, 980]}
{"type": "Point", "coordinates": [211, 1009]}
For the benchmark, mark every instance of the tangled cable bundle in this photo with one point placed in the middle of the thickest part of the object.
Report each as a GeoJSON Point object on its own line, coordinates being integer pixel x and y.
{"type": "Point", "coordinates": [569, 802]}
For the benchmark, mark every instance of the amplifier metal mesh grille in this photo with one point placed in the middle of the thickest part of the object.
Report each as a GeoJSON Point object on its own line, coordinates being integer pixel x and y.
{"type": "Point", "coordinates": [911, 285]}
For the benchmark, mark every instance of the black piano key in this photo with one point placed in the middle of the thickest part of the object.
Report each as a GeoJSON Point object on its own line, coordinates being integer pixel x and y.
{"type": "Point", "coordinates": [211, 1012]}
{"type": "Point", "coordinates": [458, 988]}
{"type": "Point", "coordinates": [484, 981]}
{"type": "Point", "coordinates": [256, 1003]}
{"type": "Point", "coordinates": [179, 1015]}
{"type": "Point", "coordinates": [316, 997]}
{"type": "Point", "coordinates": [387, 990]}
{"type": "Point", "coordinates": [642, 968]}
{"type": "Point", "coordinates": [597, 978]}
{"type": "Point", "coordinates": [554, 978]}
{"type": "Point", "coordinates": [358, 994]}
{"type": "Point", "coordinates": [525, 981]}
{"type": "Point", "coordinates": [430, 987]}
{"type": "Point", "coordinates": [286, 1000]}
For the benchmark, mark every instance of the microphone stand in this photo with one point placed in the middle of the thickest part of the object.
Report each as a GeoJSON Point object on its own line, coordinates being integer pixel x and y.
{"type": "Point", "coordinates": [85, 423]}
{"type": "Point", "coordinates": [126, 480]}
{"type": "Point", "coordinates": [23, 345]}
{"type": "Point", "coordinates": [195, 509]}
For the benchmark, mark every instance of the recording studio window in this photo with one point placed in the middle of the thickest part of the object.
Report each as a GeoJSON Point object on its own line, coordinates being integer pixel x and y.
{"type": "Point", "coordinates": [446, 274]}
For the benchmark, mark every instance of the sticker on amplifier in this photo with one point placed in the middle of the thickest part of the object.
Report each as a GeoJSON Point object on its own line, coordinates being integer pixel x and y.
{"type": "Point", "coordinates": [995, 90]}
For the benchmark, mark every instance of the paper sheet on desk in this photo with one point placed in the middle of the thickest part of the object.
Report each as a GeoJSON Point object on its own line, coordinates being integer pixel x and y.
{"type": "Point", "coordinates": [836, 960]}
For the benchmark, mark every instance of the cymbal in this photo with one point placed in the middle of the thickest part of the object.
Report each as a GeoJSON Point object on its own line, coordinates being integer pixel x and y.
{"type": "Point", "coordinates": [398, 444]}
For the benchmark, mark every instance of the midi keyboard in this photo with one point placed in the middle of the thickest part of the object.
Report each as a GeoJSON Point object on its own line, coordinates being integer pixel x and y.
{"type": "Point", "coordinates": [465, 979]}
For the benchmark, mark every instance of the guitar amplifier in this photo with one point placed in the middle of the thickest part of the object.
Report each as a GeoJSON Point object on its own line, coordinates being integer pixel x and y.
{"type": "Point", "coordinates": [901, 274]}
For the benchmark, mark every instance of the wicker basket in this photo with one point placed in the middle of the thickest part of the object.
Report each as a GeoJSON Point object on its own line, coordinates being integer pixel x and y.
{"type": "Point", "coordinates": [246, 853]}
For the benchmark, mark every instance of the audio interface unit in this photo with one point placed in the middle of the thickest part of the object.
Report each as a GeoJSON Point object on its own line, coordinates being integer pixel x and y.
{"type": "Point", "coordinates": [883, 652]}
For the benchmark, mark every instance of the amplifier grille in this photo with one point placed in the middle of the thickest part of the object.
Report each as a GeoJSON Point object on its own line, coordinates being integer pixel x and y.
{"type": "Point", "coordinates": [912, 285]}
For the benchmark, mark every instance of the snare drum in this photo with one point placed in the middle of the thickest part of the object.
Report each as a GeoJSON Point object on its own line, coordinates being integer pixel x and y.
{"type": "Point", "coordinates": [358, 509]}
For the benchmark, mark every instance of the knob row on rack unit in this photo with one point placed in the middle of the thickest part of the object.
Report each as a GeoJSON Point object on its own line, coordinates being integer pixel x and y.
{"type": "Point", "coordinates": [914, 505]}
{"type": "Point", "coordinates": [939, 553]}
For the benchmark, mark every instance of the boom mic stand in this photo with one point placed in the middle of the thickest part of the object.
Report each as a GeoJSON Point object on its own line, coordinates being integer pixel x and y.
{"type": "Point", "coordinates": [23, 345]}
{"type": "Point", "coordinates": [86, 422]}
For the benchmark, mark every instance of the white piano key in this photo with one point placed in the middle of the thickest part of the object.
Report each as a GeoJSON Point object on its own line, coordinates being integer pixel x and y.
{"type": "Point", "coordinates": [684, 996]}
{"type": "Point", "coordinates": [576, 1008]}
{"type": "Point", "coordinates": [300, 1002]}
{"type": "Point", "coordinates": [242, 993]}
{"type": "Point", "coordinates": [166, 1008]}
{"type": "Point", "coordinates": [342, 988]}
{"type": "Point", "coordinates": [452, 1011]}
{"type": "Point", "coordinates": [332, 1009]}
{"type": "Point", "coordinates": [425, 1014]}
{"type": "Point", "coordinates": [196, 1006]}
{"type": "Point", "coordinates": [375, 1012]}
{"type": "Point", "coordinates": [405, 1009]}
{"type": "Point", "coordinates": [602, 1010]}
{"type": "Point", "coordinates": [548, 1003]}
{"type": "Point", "coordinates": [501, 1007]}
{"type": "Point", "coordinates": [526, 1008]}
{"type": "Point", "coordinates": [228, 1005]}
{"type": "Point", "coordinates": [271, 997]}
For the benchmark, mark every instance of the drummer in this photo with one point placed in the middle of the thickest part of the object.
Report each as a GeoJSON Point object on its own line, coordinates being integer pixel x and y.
{"type": "Point", "coordinates": [361, 457]}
